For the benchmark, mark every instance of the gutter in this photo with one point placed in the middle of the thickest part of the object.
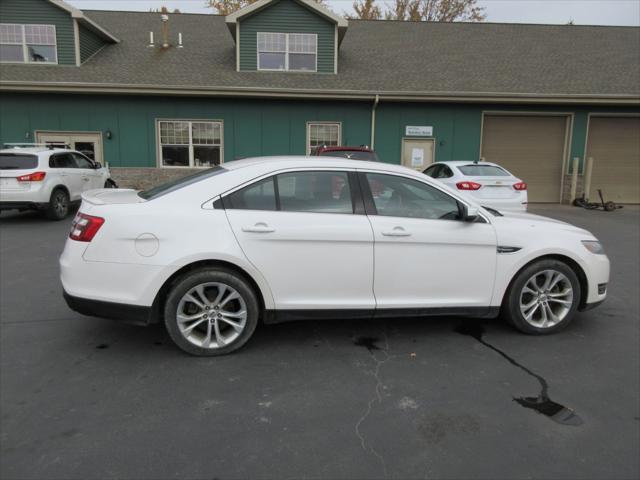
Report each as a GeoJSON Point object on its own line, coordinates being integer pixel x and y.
{"type": "Point", "coordinates": [363, 95]}
{"type": "Point", "coordinates": [373, 122]}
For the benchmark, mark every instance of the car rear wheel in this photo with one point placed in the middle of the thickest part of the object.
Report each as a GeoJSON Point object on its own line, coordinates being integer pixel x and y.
{"type": "Point", "coordinates": [543, 298]}
{"type": "Point", "coordinates": [211, 312]}
{"type": "Point", "coordinates": [58, 207]}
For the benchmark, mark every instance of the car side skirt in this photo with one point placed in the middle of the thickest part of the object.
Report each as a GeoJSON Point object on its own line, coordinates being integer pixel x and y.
{"type": "Point", "coordinates": [281, 316]}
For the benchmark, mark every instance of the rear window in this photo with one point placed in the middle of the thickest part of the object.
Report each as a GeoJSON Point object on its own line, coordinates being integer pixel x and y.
{"type": "Point", "coordinates": [351, 154]}
{"type": "Point", "coordinates": [17, 161]}
{"type": "Point", "coordinates": [177, 184]}
{"type": "Point", "coordinates": [483, 171]}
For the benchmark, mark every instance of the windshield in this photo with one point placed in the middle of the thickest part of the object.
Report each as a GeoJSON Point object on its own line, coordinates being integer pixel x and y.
{"type": "Point", "coordinates": [351, 154]}
{"type": "Point", "coordinates": [475, 170]}
{"type": "Point", "coordinates": [17, 161]}
{"type": "Point", "coordinates": [177, 184]}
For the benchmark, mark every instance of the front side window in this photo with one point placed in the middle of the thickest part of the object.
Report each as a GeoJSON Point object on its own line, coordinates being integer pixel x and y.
{"type": "Point", "coordinates": [287, 51]}
{"type": "Point", "coordinates": [82, 161]}
{"type": "Point", "coordinates": [396, 196]}
{"type": "Point", "coordinates": [322, 134]}
{"type": "Point", "coordinates": [28, 43]}
{"type": "Point", "coordinates": [62, 160]}
{"type": "Point", "coordinates": [190, 143]}
{"type": "Point", "coordinates": [309, 192]}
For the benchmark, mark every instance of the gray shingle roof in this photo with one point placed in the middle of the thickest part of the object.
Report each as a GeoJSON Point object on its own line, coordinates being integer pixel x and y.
{"type": "Point", "coordinates": [375, 57]}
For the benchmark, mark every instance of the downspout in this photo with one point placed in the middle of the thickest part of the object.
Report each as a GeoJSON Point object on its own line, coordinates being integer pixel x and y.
{"type": "Point", "coordinates": [373, 121]}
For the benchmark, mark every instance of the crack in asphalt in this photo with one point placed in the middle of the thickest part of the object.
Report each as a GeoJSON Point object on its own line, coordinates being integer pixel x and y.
{"type": "Point", "coordinates": [542, 403]}
{"type": "Point", "coordinates": [370, 344]}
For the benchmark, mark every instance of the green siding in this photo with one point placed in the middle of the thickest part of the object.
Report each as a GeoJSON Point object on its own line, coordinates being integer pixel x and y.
{"type": "Point", "coordinates": [286, 16]}
{"type": "Point", "coordinates": [43, 12]}
{"type": "Point", "coordinates": [260, 127]}
{"type": "Point", "coordinates": [90, 43]}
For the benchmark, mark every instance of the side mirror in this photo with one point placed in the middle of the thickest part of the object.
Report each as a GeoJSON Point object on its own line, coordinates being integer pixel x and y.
{"type": "Point", "coordinates": [97, 165]}
{"type": "Point", "coordinates": [469, 213]}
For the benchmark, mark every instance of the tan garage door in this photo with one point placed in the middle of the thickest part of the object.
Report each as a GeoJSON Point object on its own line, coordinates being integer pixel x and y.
{"type": "Point", "coordinates": [614, 144]}
{"type": "Point", "coordinates": [530, 147]}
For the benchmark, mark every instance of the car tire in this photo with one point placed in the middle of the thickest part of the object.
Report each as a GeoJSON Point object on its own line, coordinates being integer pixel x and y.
{"type": "Point", "coordinates": [58, 206]}
{"type": "Point", "coordinates": [110, 184]}
{"type": "Point", "coordinates": [543, 298]}
{"type": "Point", "coordinates": [213, 325]}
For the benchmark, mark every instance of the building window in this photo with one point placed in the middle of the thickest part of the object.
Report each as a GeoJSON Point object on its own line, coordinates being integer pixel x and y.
{"type": "Point", "coordinates": [287, 51]}
{"type": "Point", "coordinates": [190, 143]}
{"type": "Point", "coordinates": [28, 43]}
{"type": "Point", "coordinates": [322, 134]}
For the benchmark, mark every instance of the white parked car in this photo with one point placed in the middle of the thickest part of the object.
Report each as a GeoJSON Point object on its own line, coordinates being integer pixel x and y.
{"type": "Point", "coordinates": [286, 238]}
{"type": "Point", "coordinates": [47, 179]}
{"type": "Point", "coordinates": [487, 184]}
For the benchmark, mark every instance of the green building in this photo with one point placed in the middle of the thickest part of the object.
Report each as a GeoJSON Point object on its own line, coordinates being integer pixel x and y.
{"type": "Point", "coordinates": [155, 97]}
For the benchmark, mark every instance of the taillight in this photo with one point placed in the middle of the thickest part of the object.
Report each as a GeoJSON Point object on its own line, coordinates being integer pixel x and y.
{"type": "Point", "coordinates": [520, 186]}
{"type": "Point", "coordinates": [468, 186]}
{"type": "Point", "coordinates": [85, 227]}
{"type": "Point", "coordinates": [32, 177]}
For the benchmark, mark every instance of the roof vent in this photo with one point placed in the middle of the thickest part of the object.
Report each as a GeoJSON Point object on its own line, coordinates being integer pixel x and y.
{"type": "Point", "coordinates": [151, 44]}
{"type": "Point", "coordinates": [165, 27]}
{"type": "Point", "coordinates": [180, 40]}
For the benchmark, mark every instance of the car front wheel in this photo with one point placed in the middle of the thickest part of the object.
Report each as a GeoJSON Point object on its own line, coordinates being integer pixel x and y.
{"type": "Point", "coordinates": [211, 312]}
{"type": "Point", "coordinates": [543, 298]}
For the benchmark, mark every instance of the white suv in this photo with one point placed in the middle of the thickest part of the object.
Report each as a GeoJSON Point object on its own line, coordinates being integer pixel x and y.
{"type": "Point", "coordinates": [48, 179]}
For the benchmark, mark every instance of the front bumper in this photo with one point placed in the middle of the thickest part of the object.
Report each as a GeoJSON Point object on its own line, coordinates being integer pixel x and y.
{"type": "Point", "coordinates": [135, 314]}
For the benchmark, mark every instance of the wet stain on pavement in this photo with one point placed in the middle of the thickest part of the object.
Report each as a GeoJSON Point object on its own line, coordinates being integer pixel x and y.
{"type": "Point", "coordinates": [542, 403]}
{"type": "Point", "coordinates": [102, 346]}
{"type": "Point", "coordinates": [368, 342]}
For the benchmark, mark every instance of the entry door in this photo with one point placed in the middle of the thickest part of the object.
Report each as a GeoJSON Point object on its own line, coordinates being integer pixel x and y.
{"type": "Point", "coordinates": [89, 144]}
{"type": "Point", "coordinates": [425, 256]}
{"type": "Point", "coordinates": [314, 251]}
{"type": "Point", "coordinates": [417, 153]}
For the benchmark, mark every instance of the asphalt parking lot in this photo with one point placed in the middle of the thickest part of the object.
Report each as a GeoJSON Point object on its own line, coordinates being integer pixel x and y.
{"type": "Point", "coordinates": [434, 398]}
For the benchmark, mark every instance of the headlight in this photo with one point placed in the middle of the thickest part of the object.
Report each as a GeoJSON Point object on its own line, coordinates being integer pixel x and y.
{"type": "Point", "coordinates": [593, 246]}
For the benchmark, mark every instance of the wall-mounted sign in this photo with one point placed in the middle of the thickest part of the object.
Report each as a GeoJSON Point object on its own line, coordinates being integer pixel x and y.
{"type": "Point", "coordinates": [418, 131]}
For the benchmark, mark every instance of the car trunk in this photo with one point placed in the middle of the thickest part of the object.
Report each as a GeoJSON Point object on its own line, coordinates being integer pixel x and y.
{"type": "Point", "coordinates": [111, 196]}
{"type": "Point", "coordinates": [495, 187]}
{"type": "Point", "coordinates": [14, 165]}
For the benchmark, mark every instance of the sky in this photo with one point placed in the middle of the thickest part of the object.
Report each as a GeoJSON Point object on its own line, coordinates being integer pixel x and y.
{"type": "Point", "coordinates": [582, 12]}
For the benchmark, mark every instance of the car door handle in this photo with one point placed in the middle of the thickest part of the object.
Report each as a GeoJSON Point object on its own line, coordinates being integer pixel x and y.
{"type": "Point", "coordinates": [397, 232]}
{"type": "Point", "coordinates": [259, 227]}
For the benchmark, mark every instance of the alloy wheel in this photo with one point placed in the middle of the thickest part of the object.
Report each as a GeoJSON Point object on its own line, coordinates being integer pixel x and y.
{"type": "Point", "coordinates": [60, 204]}
{"type": "Point", "coordinates": [211, 315]}
{"type": "Point", "coordinates": [546, 299]}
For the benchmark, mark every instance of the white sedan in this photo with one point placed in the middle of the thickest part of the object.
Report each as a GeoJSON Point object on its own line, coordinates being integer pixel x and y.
{"type": "Point", "coordinates": [485, 183]}
{"type": "Point", "coordinates": [286, 238]}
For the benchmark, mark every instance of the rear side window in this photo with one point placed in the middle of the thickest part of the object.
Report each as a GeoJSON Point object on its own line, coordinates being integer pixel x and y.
{"type": "Point", "coordinates": [257, 196]}
{"type": "Point", "coordinates": [311, 192]}
{"type": "Point", "coordinates": [319, 192]}
{"type": "Point", "coordinates": [16, 161]}
{"type": "Point", "coordinates": [483, 171]}
{"type": "Point", "coordinates": [177, 184]}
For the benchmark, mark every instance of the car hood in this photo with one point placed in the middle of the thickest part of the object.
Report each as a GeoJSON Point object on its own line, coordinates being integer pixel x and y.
{"type": "Point", "coordinates": [527, 221]}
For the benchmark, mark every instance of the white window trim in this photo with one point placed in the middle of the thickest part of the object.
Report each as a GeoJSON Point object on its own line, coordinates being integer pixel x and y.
{"type": "Point", "coordinates": [25, 49]}
{"type": "Point", "coordinates": [190, 121]}
{"type": "Point", "coordinates": [310, 124]}
{"type": "Point", "coordinates": [286, 54]}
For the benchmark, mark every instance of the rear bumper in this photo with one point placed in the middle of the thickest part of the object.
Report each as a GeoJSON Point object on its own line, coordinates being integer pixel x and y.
{"type": "Point", "coordinates": [135, 314]}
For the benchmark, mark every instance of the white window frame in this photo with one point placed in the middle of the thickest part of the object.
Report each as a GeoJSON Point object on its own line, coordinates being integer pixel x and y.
{"type": "Point", "coordinates": [25, 48]}
{"type": "Point", "coordinates": [159, 143]}
{"type": "Point", "coordinates": [311, 124]}
{"type": "Point", "coordinates": [286, 53]}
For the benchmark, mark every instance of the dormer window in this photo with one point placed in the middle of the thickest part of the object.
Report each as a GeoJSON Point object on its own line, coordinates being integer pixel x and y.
{"type": "Point", "coordinates": [287, 51]}
{"type": "Point", "coordinates": [28, 43]}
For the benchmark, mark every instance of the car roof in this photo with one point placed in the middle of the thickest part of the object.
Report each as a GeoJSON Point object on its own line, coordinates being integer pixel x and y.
{"type": "Point", "coordinates": [461, 163]}
{"type": "Point", "coordinates": [295, 161]}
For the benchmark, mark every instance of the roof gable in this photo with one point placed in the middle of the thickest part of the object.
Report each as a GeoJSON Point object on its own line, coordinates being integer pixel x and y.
{"type": "Point", "coordinates": [83, 20]}
{"type": "Point", "coordinates": [315, 7]}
